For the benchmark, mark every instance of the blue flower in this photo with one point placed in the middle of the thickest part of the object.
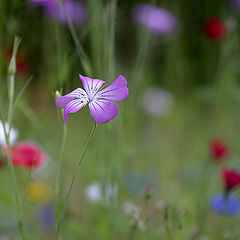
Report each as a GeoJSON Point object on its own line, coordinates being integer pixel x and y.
{"type": "Point", "coordinates": [47, 217]}
{"type": "Point", "coordinates": [227, 205]}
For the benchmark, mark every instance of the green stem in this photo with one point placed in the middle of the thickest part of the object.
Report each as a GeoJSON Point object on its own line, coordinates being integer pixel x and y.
{"type": "Point", "coordinates": [136, 76]}
{"type": "Point", "coordinates": [58, 181]}
{"type": "Point", "coordinates": [12, 170]}
{"type": "Point", "coordinates": [11, 83]}
{"type": "Point", "coordinates": [58, 227]}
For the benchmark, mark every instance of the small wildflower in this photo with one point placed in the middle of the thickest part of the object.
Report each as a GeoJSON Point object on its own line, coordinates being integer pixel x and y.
{"type": "Point", "coordinates": [13, 134]}
{"type": "Point", "coordinates": [47, 216]}
{"type": "Point", "coordinates": [94, 192]}
{"type": "Point", "coordinates": [157, 102]}
{"type": "Point", "coordinates": [231, 179]}
{"type": "Point", "coordinates": [219, 150]}
{"type": "Point", "coordinates": [39, 192]}
{"type": "Point", "coordinates": [100, 102]}
{"type": "Point", "coordinates": [158, 20]}
{"type": "Point", "coordinates": [225, 204]}
{"type": "Point", "coordinates": [27, 155]}
{"type": "Point", "coordinates": [101, 192]}
{"type": "Point", "coordinates": [76, 11]}
{"type": "Point", "coordinates": [215, 29]}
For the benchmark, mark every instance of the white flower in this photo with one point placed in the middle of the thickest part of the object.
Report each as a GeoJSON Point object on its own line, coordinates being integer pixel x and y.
{"type": "Point", "coordinates": [93, 192]}
{"type": "Point", "coordinates": [103, 192]}
{"type": "Point", "coordinates": [157, 101]}
{"type": "Point", "coordinates": [13, 134]}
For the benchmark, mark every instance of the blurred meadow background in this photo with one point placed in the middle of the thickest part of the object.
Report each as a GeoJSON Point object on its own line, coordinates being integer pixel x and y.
{"type": "Point", "coordinates": [168, 166]}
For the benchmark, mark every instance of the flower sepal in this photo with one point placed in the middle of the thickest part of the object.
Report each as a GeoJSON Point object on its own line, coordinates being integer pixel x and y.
{"type": "Point", "coordinates": [60, 110]}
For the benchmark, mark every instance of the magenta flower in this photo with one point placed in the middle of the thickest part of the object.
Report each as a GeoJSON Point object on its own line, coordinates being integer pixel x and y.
{"type": "Point", "coordinates": [100, 103]}
{"type": "Point", "coordinates": [157, 20]}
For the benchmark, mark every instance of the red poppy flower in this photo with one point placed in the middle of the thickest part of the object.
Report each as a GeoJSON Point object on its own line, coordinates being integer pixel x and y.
{"type": "Point", "coordinates": [231, 178]}
{"type": "Point", "coordinates": [27, 154]}
{"type": "Point", "coordinates": [219, 150]}
{"type": "Point", "coordinates": [215, 29]}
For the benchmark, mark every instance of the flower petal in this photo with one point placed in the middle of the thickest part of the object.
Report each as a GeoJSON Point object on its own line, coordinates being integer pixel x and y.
{"type": "Point", "coordinates": [91, 85]}
{"type": "Point", "coordinates": [103, 111]}
{"type": "Point", "coordinates": [117, 91]}
{"type": "Point", "coordinates": [62, 101]}
{"type": "Point", "coordinates": [72, 107]}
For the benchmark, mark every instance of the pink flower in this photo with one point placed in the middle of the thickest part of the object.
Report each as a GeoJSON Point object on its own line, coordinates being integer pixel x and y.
{"type": "Point", "coordinates": [27, 155]}
{"type": "Point", "coordinates": [219, 150]}
{"type": "Point", "coordinates": [101, 105]}
{"type": "Point", "coordinates": [231, 178]}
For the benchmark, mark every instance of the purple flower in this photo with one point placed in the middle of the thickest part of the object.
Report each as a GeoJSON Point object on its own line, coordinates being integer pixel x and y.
{"type": "Point", "coordinates": [100, 103]}
{"type": "Point", "coordinates": [47, 217]}
{"type": "Point", "coordinates": [227, 205]}
{"type": "Point", "coordinates": [76, 11]}
{"type": "Point", "coordinates": [157, 20]}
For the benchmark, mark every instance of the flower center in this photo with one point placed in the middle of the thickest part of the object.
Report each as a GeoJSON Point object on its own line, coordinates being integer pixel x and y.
{"type": "Point", "coordinates": [92, 94]}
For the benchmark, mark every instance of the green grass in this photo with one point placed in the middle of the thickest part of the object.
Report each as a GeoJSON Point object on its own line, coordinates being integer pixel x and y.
{"type": "Point", "coordinates": [172, 151]}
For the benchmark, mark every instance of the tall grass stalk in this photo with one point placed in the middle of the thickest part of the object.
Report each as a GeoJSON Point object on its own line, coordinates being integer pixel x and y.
{"type": "Point", "coordinates": [102, 36]}
{"type": "Point", "coordinates": [7, 132]}
{"type": "Point", "coordinates": [64, 205]}
{"type": "Point", "coordinates": [80, 51]}
{"type": "Point", "coordinates": [138, 68]}
{"type": "Point", "coordinates": [136, 75]}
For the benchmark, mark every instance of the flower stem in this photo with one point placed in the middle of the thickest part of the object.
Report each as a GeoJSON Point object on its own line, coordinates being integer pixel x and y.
{"type": "Point", "coordinates": [58, 181]}
{"type": "Point", "coordinates": [61, 215]}
{"type": "Point", "coordinates": [11, 82]}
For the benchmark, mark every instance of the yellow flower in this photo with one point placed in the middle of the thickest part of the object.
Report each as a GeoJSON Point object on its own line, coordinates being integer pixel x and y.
{"type": "Point", "coordinates": [39, 192]}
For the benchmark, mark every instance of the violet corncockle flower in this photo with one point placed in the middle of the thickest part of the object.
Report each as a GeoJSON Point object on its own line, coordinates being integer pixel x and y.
{"type": "Point", "coordinates": [100, 102]}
